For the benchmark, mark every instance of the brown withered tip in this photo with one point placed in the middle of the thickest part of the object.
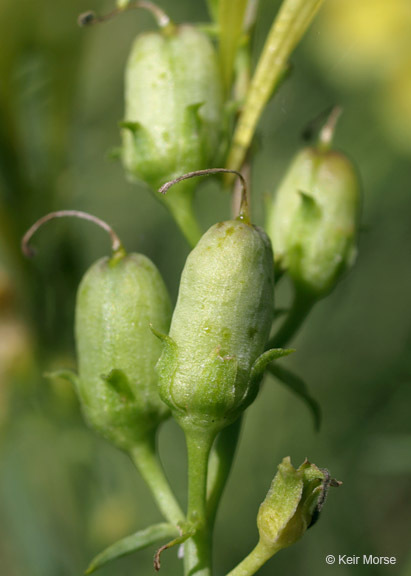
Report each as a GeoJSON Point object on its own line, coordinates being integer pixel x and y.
{"type": "Point", "coordinates": [87, 19]}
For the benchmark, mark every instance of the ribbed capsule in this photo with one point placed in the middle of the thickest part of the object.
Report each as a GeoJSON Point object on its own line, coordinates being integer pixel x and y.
{"type": "Point", "coordinates": [117, 301]}
{"type": "Point", "coordinates": [220, 326]}
{"type": "Point", "coordinates": [173, 110]}
{"type": "Point", "coordinates": [313, 222]}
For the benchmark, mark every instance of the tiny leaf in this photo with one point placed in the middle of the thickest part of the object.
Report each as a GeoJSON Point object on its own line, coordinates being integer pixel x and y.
{"type": "Point", "coordinates": [132, 543]}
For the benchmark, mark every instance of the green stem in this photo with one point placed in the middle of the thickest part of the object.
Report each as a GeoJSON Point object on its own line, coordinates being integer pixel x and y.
{"type": "Point", "coordinates": [253, 562]}
{"type": "Point", "coordinates": [145, 458]}
{"type": "Point", "coordinates": [180, 204]}
{"type": "Point", "coordinates": [231, 20]}
{"type": "Point", "coordinates": [221, 461]}
{"type": "Point", "coordinates": [287, 30]}
{"type": "Point", "coordinates": [300, 309]}
{"type": "Point", "coordinates": [212, 6]}
{"type": "Point", "coordinates": [197, 550]}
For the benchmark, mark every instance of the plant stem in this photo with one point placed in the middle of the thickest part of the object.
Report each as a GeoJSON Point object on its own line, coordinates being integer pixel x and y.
{"type": "Point", "coordinates": [300, 309]}
{"type": "Point", "coordinates": [197, 550]}
{"type": "Point", "coordinates": [287, 30]}
{"type": "Point", "coordinates": [180, 204]}
{"type": "Point", "coordinates": [221, 460]}
{"type": "Point", "coordinates": [230, 19]}
{"type": "Point", "coordinates": [253, 562]}
{"type": "Point", "coordinates": [145, 458]}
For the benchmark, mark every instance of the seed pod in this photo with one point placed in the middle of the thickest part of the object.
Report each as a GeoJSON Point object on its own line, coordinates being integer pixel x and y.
{"type": "Point", "coordinates": [211, 364]}
{"type": "Point", "coordinates": [173, 112]}
{"type": "Point", "coordinates": [313, 222]}
{"type": "Point", "coordinates": [117, 300]}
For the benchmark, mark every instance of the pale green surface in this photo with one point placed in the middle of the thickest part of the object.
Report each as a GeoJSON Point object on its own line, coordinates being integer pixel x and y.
{"type": "Point", "coordinates": [313, 220]}
{"type": "Point", "coordinates": [220, 325]}
{"type": "Point", "coordinates": [116, 303]}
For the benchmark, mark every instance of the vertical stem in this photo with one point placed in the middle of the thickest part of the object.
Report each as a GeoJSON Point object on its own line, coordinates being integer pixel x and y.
{"type": "Point", "coordinates": [221, 461]}
{"type": "Point", "coordinates": [145, 458]}
{"type": "Point", "coordinates": [180, 204]}
{"type": "Point", "coordinates": [197, 550]}
{"type": "Point", "coordinates": [289, 26]}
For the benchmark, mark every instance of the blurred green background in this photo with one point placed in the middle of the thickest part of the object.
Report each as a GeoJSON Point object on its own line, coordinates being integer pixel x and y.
{"type": "Point", "coordinates": [64, 493]}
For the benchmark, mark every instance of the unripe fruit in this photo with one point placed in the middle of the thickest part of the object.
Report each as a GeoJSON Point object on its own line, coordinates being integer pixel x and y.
{"type": "Point", "coordinates": [117, 300]}
{"type": "Point", "coordinates": [173, 112]}
{"type": "Point", "coordinates": [313, 222]}
{"type": "Point", "coordinates": [220, 325]}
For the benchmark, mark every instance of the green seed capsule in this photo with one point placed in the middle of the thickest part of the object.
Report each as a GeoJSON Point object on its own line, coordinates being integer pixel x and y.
{"type": "Point", "coordinates": [117, 301]}
{"type": "Point", "coordinates": [313, 223]}
{"type": "Point", "coordinates": [209, 369]}
{"type": "Point", "coordinates": [173, 112]}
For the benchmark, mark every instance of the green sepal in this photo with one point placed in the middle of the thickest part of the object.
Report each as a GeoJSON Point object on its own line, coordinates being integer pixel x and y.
{"type": "Point", "coordinates": [187, 533]}
{"type": "Point", "coordinates": [193, 126]}
{"type": "Point", "coordinates": [142, 141]}
{"type": "Point", "coordinates": [64, 374]}
{"type": "Point", "coordinates": [297, 385]}
{"type": "Point", "coordinates": [192, 118]}
{"type": "Point", "coordinates": [165, 338]}
{"type": "Point", "coordinates": [118, 382]}
{"type": "Point", "coordinates": [132, 543]}
{"type": "Point", "coordinates": [260, 365]}
{"type": "Point", "coordinates": [310, 208]}
{"type": "Point", "coordinates": [133, 127]}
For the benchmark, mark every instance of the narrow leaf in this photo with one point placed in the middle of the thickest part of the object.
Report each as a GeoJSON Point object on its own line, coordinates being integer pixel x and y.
{"type": "Point", "coordinates": [299, 387]}
{"type": "Point", "coordinates": [260, 365]}
{"type": "Point", "coordinates": [129, 544]}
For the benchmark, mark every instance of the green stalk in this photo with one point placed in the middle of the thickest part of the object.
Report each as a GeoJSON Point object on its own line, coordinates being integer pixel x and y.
{"type": "Point", "coordinates": [287, 30]}
{"type": "Point", "coordinates": [145, 458]}
{"type": "Point", "coordinates": [197, 550]}
{"type": "Point", "coordinates": [231, 20]}
{"type": "Point", "coordinates": [253, 562]}
{"type": "Point", "coordinates": [220, 464]}
{"type": "Point", "coordinates": [180, 203]}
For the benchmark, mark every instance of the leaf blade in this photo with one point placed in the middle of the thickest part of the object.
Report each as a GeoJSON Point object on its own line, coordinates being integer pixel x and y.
{"type": "Point", "coordinates": [132, 543]}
